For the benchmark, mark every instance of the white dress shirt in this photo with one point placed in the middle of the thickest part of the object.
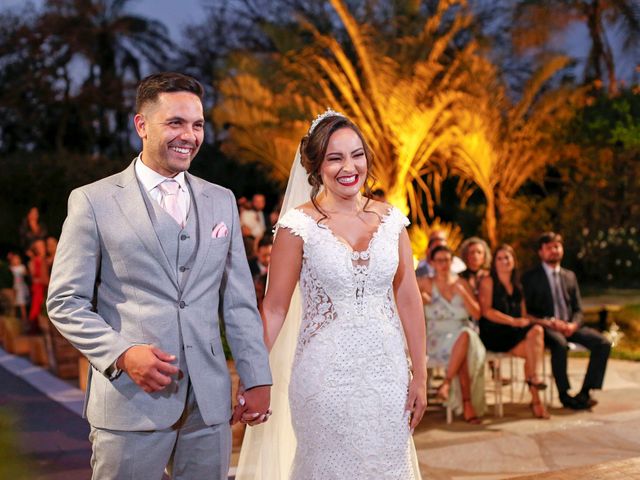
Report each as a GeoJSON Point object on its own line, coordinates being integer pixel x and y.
{"type": "Point", "coordinates": [150, 179]}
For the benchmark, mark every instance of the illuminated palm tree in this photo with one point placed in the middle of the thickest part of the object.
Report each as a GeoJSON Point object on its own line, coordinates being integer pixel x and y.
{"type": "Point", "coordinates": [428, 112]}
{"type": "Point", "coordinates": [403, 94]}
{"type": "Point", "coordinates": [501, 144]}
{"type": "Point", "coordinates": [259, 124]}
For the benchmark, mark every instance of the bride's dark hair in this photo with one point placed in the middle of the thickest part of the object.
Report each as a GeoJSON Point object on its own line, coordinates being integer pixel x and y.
{"type": "Point", "coordinates": [313, 148]}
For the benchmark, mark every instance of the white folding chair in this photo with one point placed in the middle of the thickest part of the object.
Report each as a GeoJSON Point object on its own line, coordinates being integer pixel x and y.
{"type": "Point", "coordinates": [496, 358]}
{"type": "Point", "coordinates": [433, 366]}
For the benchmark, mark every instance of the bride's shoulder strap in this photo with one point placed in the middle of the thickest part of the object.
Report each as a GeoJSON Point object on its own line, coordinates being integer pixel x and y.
{"type": "Point", "coordinates": [396, 220]}
{"type": "Point", "coordinates": [296, 221]}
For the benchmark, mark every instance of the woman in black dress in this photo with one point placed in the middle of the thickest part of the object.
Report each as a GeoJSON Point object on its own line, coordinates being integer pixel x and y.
{"type": "Point", "coordinates": [504, 326]}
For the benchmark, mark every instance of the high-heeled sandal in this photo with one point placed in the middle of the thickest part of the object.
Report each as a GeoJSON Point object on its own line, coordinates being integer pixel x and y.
{"type": "Point", "coordinates": [544, 414]}
{"type": "Point", "coordinates": [443, 390]}
{"type": "Point", "coordinates": [538, 385]}
{"type": "Point", "coordinates": [473, 420]}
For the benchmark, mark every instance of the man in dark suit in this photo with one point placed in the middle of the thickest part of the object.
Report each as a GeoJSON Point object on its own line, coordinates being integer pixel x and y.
{"type": "Point", "coordinates": [553, 298]}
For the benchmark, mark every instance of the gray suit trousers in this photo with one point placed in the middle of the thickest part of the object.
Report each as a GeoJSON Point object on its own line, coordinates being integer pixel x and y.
{"type": "Point", "coordinates": [189, 450]}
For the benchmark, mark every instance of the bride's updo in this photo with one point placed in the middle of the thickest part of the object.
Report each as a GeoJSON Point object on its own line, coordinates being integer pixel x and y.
{"type": "Point", "coordinates": [313, 148]}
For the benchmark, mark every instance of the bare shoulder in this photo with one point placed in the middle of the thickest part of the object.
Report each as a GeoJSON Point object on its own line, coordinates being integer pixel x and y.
{"type": "Point", "coordinates": [485, 282]}
{"type": "Point", "coordinates": [380, 208]}
{"type": "Point", "coordinates": [309, 209]}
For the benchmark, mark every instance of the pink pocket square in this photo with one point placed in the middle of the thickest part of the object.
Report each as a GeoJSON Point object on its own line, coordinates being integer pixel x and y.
{"type": "Point", "coordinates": [219, 231]}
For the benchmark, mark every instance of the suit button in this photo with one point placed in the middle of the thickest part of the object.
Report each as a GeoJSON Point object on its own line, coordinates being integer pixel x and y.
{"type": "Point", "coordinates": [184, 236]}
{"type": "Point", "coordinates": [182, 268]}
{"type": "Point", "coordinates": [182, 304]}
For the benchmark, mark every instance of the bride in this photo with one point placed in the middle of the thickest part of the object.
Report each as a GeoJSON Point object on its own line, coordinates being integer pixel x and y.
{"type": "Point", "coordinates": [353, 400]}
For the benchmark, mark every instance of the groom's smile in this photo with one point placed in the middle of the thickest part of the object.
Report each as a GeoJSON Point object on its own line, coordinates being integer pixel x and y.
{"type": "Point", "coordinates": [172, 130]}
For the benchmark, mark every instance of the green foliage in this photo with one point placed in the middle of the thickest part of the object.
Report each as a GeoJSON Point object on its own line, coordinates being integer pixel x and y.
{"type": "Point", "coordinates": [600, 193]}
{"type": "Point", "coordinates": [609, 121]}
{"type": "Point", "coordinates": [523, 220]}
{"type": "Point", "coordinates": [13, 465]}
{"type": "Point", "coordinates": [611, 256]}
{"type": "Point", "coordinates": [628, 319]}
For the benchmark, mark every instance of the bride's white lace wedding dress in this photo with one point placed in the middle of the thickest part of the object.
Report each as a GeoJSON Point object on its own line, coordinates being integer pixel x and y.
{"type": "Point", "coordinates": [350, 373]}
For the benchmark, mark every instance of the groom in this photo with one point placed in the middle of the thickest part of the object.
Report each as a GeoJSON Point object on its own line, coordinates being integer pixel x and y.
{"type": "Point", "coordinates": [148, 260]}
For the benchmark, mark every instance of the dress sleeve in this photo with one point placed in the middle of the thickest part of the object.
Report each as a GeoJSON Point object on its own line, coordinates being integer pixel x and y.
{"type": "Point", "coordinates": [296, 221]}
{"type": "Point", "coordinates": [397, 221]}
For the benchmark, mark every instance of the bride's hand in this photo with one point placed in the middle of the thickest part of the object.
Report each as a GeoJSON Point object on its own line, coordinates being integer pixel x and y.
{"type": "Point", "coordinates": [417, 400]}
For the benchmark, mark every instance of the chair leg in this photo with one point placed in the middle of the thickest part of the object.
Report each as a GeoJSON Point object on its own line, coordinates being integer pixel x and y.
{"type": "Point", "coordinates": [497, 386]}
{"type": "Point", "coordinates": [551, 380]}
{"type": "Point", "coordinates": [449, 415]}
{"type": "Point", "coordinates": [512, 378]}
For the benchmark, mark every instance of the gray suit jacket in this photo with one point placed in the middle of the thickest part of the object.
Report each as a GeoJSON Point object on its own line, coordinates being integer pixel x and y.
{"type": "Point", "coordinates": [112, 287]}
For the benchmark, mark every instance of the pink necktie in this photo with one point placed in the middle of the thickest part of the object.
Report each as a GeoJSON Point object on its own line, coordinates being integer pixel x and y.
{"type": "Point", "coordinates": [170, 200]}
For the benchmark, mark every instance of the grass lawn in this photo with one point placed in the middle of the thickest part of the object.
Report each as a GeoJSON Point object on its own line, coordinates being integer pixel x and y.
{"type": "Point", "coordinates": [627, 318]}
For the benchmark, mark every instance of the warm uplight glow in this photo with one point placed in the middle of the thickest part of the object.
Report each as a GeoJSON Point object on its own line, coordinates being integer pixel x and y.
{"type": "Point", "coordinates": [424, 115]}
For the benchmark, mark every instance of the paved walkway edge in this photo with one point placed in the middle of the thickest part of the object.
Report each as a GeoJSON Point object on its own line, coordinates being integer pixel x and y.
{"type": "Point", "coordinates": [42, 380]}
{"type": "Point", "coordinates": [50, 385]}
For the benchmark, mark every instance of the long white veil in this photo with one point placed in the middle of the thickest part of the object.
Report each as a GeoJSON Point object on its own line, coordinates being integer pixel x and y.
{"type": "Point", "coordinates": [268, 449]}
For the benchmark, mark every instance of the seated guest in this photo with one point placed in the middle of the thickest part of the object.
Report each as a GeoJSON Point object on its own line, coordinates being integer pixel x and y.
{"type": "Point", "coordinates": [253, 218]}
{"type": "Point", "coordinates": [504, 326]}
{"type": "Point", "coordinates": [425, 268]}
{"type": "Point", "coordinates": [476, 255]}
{"type": "Point", "coordinates": [260, 264]}
{"type": "Point", "coordinates": [450, 340]}
{"type": "Point", "coordinates": [553, 299]}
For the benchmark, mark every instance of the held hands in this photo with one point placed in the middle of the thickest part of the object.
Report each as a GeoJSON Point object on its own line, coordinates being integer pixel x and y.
{"type": "Point", "coordinates": [148, 367]}
{"type": "Point", "coordinates": [565, 328]}
{"type": "Point", "coordinates": [253, 405]}
{"type": "Point", "coordinates": [417, 400]}
{"type": "Point", "coordinates": [569, 329]}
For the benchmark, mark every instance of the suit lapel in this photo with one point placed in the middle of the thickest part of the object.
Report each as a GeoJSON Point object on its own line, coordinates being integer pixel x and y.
{"type": "Point", "coordinates": [564, 285]}
{"type": "Point", "coordinates": [205, 208]}
{"type": "Point", "coordinates": [132, 205]}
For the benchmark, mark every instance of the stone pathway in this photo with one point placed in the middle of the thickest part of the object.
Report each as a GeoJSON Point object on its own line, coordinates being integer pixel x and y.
{"type": "Point", "coordinates": [518, 445]}
{"type": "Point", "coordinates": [587, 445]}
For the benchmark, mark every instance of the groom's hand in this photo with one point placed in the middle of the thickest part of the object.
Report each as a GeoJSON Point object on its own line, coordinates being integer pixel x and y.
{"type": "Point", "coordinates": [148, 367]}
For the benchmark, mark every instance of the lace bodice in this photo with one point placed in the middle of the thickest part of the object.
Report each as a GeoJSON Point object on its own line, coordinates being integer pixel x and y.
{"type": "Point", "coordinates": [337, 282]}
{"type": "Point", "coordinates": [349, 380]}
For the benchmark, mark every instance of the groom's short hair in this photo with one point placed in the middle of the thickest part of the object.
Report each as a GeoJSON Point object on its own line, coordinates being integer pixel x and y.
{"type": "Point", "coordinates": [164, 82]}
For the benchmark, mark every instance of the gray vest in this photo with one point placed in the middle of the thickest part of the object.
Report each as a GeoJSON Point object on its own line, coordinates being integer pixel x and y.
{"type": "Point", "coordinates": [178, 244]}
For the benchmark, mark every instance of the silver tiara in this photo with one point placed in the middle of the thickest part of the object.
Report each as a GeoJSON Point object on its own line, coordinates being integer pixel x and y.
{"type": "Point", "coordinates": [327, 113]}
